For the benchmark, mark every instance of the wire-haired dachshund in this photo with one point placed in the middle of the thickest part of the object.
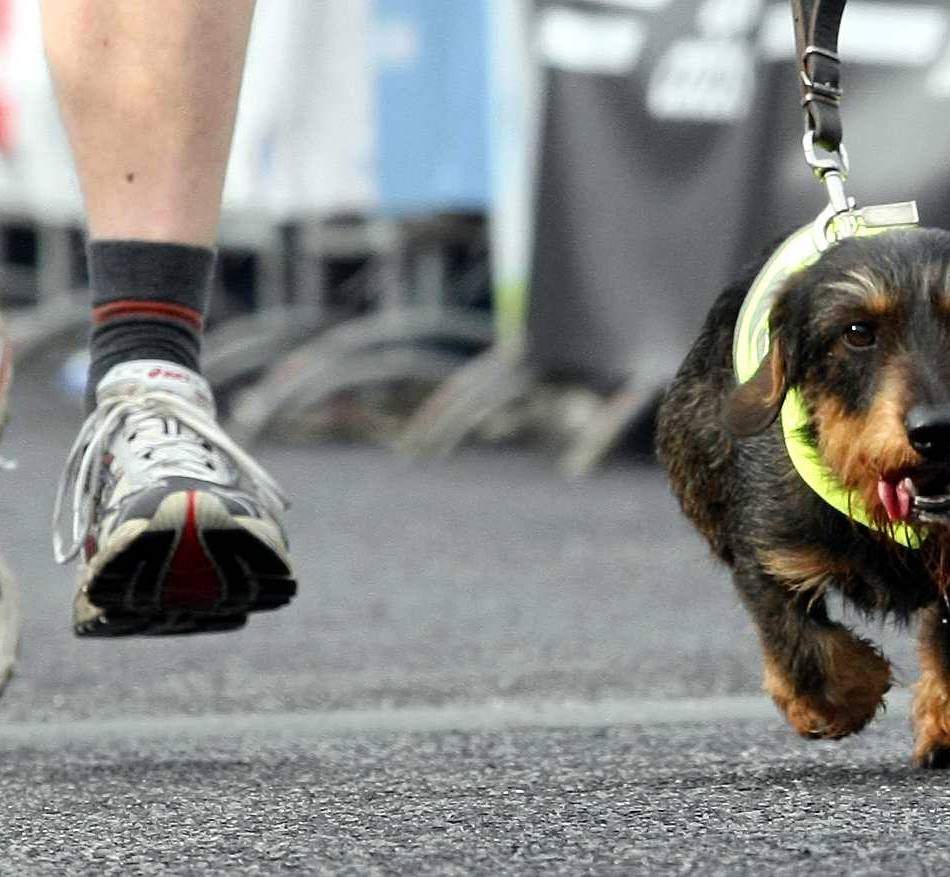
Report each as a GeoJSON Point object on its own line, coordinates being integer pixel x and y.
{"type": "Point", "coordinates": [862, 339]}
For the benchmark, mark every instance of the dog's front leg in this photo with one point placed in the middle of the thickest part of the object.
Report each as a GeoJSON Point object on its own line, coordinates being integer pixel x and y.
{"type": "Point", "coordinates": [826, 680]}
{"type": "Point", "coordinates": [932, 694]}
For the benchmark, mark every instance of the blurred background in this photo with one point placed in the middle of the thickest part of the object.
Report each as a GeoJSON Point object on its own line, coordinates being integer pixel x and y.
{"type": "Point", "coordinates": [489, 220]}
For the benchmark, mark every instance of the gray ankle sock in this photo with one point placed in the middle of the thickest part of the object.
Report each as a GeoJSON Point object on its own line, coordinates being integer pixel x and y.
{"type": "Point", "coordinates": [148, 302]}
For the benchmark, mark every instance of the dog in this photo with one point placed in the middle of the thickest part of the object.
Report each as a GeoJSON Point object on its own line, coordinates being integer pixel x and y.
{"type": "Point", "coordinates": [862, 336]}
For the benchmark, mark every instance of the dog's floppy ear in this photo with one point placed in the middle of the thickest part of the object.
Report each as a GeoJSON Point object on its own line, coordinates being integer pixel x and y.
{"type": "Point", "coordinates": [754, 405]}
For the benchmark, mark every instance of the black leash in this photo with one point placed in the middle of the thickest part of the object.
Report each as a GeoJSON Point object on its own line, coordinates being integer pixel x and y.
{"type": "Point", "coordinates": [817, 23]}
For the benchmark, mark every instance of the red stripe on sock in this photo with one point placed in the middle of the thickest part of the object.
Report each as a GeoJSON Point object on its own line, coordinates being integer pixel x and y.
{"type": "Point", "coordinates": [147, 309]}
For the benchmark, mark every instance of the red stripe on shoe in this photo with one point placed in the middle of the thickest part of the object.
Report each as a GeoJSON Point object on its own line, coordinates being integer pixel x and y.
{"type": "Point", "coordinates": [192, 581]}
{"type": "Point", "coordinates": [161, 310]}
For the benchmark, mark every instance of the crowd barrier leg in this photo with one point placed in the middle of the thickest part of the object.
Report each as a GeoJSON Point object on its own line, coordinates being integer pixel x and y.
{"type": "Point", "coordinates": [59, 313]}
{"type": "Point", "coordinates": [416, 334]}
{"type": "Point", "coordinates": [392, 345]}
{"type": "Point", "coordinates": [470, 397]}
{"type": "Point", "coordinates": [242, 347]}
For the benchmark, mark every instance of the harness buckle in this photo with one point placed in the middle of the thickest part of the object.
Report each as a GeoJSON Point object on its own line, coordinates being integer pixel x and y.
{"type": "Point", "coordinates": [833, 225]}
{"type": "Point", "coordinates": [840, 219]}
{"type": "Point", "coordinates": [824, 92]}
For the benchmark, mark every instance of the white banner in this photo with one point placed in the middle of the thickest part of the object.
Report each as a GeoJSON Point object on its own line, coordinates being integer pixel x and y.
{"type": "Point", "coordinates": [304, 138]}
{"type": "Point", "coordinates": [305, 133]}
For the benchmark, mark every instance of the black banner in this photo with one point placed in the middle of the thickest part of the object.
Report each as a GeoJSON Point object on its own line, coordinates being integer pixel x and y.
{"type": "Point", "coordinates": [671, 154]}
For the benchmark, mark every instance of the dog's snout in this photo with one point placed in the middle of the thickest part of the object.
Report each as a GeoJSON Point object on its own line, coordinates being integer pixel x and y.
{"type": "Point", "coordinates": [928, 430]}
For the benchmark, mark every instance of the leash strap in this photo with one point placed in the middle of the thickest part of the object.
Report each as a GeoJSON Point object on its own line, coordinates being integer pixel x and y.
{"type": "Point", "coordinates": [816, 40]}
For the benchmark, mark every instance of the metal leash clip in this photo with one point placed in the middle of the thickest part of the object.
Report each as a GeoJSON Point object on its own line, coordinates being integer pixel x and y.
{"type": "Point", "coordinates": [840, 219]}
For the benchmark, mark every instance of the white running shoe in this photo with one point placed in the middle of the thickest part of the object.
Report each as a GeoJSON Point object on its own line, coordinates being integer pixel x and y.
{"type": "Point", "coordinates": [178, 527]}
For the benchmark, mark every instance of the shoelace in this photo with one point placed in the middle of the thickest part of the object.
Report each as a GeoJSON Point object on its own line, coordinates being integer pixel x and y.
{"type": "Point", "coordinates": [176, 455]}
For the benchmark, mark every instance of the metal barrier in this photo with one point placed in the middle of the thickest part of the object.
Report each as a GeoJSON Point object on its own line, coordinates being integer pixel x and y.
{"type": "Point", "coordinates": [431, 98]}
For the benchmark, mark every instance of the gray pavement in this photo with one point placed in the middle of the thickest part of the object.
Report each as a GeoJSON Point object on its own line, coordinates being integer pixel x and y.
{"type": "Point", "coordinates": [488, 670]}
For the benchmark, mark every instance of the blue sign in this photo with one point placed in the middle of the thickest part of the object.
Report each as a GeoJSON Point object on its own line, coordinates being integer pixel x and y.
{"type": "Point", "coordinates": [432, 88]}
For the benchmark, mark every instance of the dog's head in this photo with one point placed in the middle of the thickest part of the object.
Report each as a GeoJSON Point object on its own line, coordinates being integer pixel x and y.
{"type": "Point", "coordinates": [864, 334]}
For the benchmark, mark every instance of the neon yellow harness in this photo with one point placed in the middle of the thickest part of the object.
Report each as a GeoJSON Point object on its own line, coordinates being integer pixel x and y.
{"type": "Point", "coordinates": [751, 344]}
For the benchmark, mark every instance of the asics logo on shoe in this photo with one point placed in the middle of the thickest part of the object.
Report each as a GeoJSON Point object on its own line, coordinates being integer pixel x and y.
{"type": "Point", "coordinates": [168, 373]}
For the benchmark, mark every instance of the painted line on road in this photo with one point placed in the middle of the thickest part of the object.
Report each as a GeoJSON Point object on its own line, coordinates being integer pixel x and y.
{"type": "Point", "coordinates": [499, 715]}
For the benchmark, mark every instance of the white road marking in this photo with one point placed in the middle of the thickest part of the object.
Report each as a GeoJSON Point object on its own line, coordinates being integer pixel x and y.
{"type": "Point", "coordinates": [486, 717]}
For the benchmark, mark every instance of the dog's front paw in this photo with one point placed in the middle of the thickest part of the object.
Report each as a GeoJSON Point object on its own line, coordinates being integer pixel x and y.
{"type": "Point", "coordinates": [856, 678]}
{"type": "Point", "coordinates": [818, 719]}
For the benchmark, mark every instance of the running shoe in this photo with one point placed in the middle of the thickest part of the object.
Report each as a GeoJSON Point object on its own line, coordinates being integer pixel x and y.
{"type": "Point", "coordinates": [178, 527]}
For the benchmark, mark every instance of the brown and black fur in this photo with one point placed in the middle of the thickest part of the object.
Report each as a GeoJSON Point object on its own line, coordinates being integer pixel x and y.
{"type": "Point", "coordinates": [727, 461]}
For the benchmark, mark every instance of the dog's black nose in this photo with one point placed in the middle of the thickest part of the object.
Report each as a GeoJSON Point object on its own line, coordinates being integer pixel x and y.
{"type": "Point", "coordinates": [928, 430]}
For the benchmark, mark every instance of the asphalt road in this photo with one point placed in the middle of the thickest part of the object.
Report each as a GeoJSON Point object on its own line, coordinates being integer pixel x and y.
{"type": "Point", "coordinates": [488, 670]}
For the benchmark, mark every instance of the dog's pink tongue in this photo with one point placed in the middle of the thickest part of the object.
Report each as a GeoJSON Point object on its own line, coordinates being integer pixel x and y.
{"type": "Point", "coordinates": [896, 498]}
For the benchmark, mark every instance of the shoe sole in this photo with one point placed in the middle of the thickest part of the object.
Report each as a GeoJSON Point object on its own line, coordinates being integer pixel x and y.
{"type": "Point", "coordinates": [191, 568]}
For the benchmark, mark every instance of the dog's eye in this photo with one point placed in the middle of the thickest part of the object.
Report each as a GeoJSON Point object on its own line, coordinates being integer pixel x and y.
{"type": "Point", "coordinates": [860, 336]}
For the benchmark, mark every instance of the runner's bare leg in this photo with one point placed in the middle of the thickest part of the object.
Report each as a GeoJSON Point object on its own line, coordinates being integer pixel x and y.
{"type": "Point", "coordinates": [148, 92]}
